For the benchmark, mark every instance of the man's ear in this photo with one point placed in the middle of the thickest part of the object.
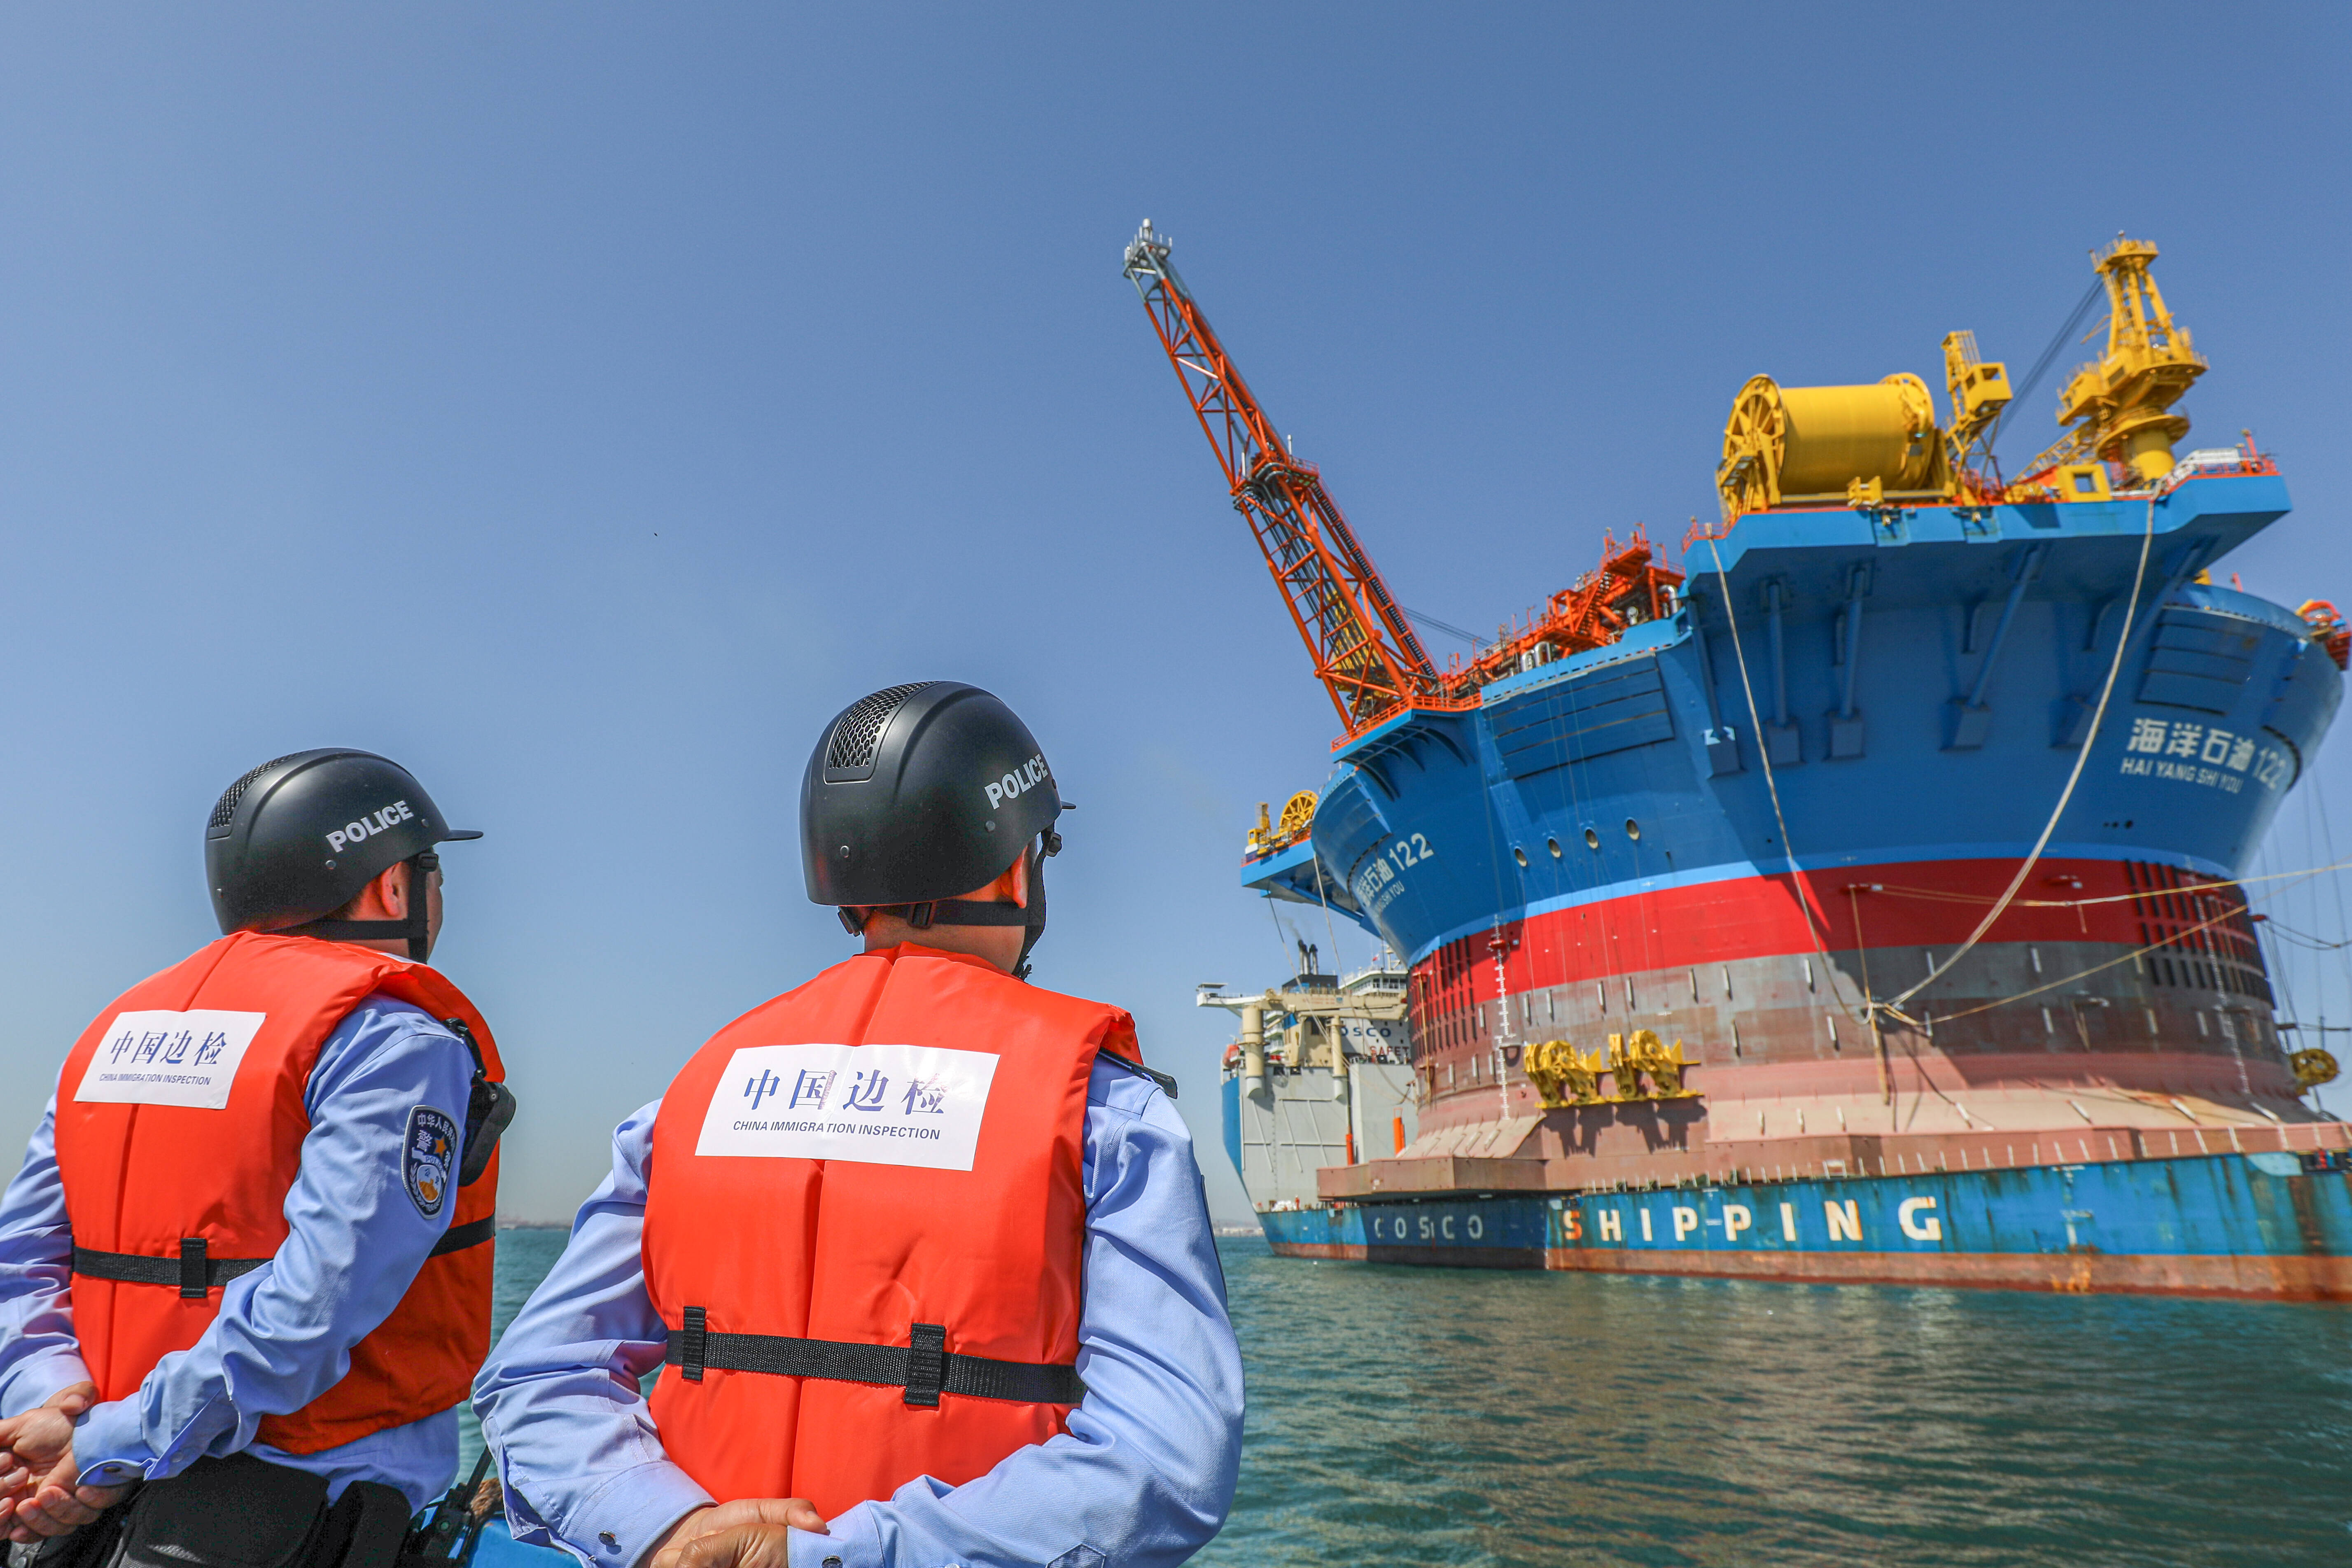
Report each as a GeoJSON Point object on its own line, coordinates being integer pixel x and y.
{"type": "Point", "coordinates": [391, 886]}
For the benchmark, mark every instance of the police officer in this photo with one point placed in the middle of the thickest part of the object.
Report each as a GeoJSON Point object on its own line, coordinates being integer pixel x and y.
{"type": "Point", "coordinates": [919, 1251]}
{"type": "Point", "coordinates": [250, 1247]}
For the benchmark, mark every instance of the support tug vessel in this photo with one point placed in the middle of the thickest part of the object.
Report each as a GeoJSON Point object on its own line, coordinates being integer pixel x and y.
{"type": "Point", "coordinates": [1864, 905]}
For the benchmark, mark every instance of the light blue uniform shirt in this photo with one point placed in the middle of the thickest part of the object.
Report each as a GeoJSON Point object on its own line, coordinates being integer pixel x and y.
{"type": "Point", "coordinates": [285, 1332]}
{"type": "Point", "coordinates": [1143, 1477]}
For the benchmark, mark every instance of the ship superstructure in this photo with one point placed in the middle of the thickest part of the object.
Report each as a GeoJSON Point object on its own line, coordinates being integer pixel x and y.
{"type": "Point", "coordinates": [1323, 1077]}
{"type": "Point", "coordinates": [1896, 838]}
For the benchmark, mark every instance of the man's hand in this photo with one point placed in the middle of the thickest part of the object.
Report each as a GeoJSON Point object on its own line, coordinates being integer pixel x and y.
{"type": "Point", "coordinates": [38, 1494]}
{"type": "Point", "coordinates": [737, 1546]}
{"type": "Point", "coordinates": [36, 1429]}
{"type": "Point", "coordinates": [751, 1532]}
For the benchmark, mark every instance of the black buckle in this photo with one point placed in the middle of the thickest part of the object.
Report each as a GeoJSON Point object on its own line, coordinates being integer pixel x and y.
{"type": "Point", "coordinates": [919, 915]}
{"type": "Point", "coordinates": [192, 1267]}
{"type": "Point", "coordinates": [927, 1364]}
{"type": "Point", "coordinates": [697, 1344]}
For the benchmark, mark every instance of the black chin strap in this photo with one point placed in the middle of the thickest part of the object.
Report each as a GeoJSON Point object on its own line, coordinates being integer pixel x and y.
{"type": "Point", "coordinates": [938, 912]}
{"type": "Point", "coordinates": [961, 912]}
{"type": "Point", "coordinates": [417, 928]}
{"type": "Point", "coordinates": [1050, 844]}
{"type": "Point", "coordinates": [966, 912]}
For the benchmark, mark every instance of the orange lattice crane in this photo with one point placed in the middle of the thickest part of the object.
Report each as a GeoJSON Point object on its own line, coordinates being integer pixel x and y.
{"type": "Point", "coordinates": [1364, 651]}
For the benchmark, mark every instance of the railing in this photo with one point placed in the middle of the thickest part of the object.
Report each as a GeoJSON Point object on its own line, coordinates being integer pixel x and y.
{"type": "Point", "coordinates": [1411, 705]}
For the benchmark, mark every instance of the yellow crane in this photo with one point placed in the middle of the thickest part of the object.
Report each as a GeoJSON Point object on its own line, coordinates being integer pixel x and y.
{"type": "Point", "coordinates": [2120, 404]}
{"type": "Point", "coordinates": [1980, 391]}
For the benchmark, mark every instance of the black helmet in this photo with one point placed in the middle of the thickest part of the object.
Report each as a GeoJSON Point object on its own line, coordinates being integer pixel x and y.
{"type": "Point", "coordinates": [919, 792]}
{"type": "Point", "coordinates": [297, 837]}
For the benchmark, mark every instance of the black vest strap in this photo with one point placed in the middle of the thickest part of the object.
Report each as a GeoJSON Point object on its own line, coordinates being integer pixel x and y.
{"type": "Point", "coordinates": [459, 1237]}
{"type": "Point", "coordinates": [195, 1272]}
{"type": "Point", "coordinates": [925, 1368]}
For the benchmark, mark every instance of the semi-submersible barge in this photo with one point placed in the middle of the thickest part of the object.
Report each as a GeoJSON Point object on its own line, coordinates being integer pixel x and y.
{"type": "Point", "coordinates": [1862, 906]}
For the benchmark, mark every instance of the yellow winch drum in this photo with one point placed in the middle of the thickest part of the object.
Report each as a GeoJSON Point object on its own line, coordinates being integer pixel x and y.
{"type": "Point", "coordinates": [1809, 443]}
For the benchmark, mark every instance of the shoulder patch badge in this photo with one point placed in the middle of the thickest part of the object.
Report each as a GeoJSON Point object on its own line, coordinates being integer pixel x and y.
{"type": "Point", "coordinates": [427, 1158]}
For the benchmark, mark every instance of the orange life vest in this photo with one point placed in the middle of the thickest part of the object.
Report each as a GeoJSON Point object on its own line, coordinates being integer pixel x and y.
{"type": "Point", "coordinates": [927, 1193]}
{"type": "Point", "coordinates": [192, 1185]}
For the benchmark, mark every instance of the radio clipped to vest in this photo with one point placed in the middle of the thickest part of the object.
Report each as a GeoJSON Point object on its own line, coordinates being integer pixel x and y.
{"type": "Point", "coordinates": [448, 1536]}
{"type": "Point", "coordinates": [490, 1107]}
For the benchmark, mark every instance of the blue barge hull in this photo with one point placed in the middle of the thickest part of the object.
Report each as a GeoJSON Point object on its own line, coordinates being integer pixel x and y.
{"type": "Point", "coordinates": [2275, 1224]}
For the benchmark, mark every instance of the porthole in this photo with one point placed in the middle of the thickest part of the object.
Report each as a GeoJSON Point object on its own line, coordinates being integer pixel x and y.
{"type": "Point", "coordinates": [1592, 839]}
{"type": "Point", "coordinates": [1632, 828]}
{"type": "Point", "coordinates": [1553, 845]}
{"type": "Point", "coordinates": [1520, 856]}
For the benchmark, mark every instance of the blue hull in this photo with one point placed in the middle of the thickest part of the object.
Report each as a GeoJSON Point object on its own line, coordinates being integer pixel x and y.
{"type": "Point", "coordinates": [2270, 1224]}
{"type": "Point", "coordinates": [1435, 826]}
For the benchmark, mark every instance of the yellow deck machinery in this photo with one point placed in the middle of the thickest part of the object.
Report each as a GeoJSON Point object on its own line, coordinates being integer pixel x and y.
{"type": "Point", "coordinates": [2120, 404]}
{"type": "Point", "coordinates": [1798, 446]}
{"type": "Point", "coordinates": [1881, 445]}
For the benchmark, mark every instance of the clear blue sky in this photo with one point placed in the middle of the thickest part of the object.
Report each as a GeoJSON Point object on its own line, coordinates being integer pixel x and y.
{"type": "Point", "coordinates": [581, 402]}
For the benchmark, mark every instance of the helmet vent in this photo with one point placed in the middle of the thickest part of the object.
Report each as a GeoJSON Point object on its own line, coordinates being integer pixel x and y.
{"type": "Point", "coordinates": [859, 732]}
{"type": "Point", "coordinates": [226, 812]}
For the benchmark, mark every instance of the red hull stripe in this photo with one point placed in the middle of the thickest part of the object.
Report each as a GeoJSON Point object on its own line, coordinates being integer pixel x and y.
{"type": "Point", "coordinates": [1930, 905]}
{"type": "Point", "coordinates": [2285, 1277]}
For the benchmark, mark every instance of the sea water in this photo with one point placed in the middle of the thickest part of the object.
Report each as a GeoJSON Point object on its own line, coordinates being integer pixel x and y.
{"type": "Point", "coordinates": [1465, 1417]}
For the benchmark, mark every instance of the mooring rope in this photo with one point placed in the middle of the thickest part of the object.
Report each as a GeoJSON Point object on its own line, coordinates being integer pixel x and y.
{"type": "Point", "coordinates": [1891, 1008]}
{"type": "Point", "coordinates": [1810, 898]}
{"type": "Point", "coordinates": [1945, 896]}
{"type": "Point", "coordinates": [2082, 757]}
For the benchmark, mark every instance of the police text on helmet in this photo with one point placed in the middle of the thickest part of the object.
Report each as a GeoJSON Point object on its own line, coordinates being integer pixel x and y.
{"type": "Point", "coordinates": [367, 827]}
{"type": "Point", "coordinates": [1031, 774]}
